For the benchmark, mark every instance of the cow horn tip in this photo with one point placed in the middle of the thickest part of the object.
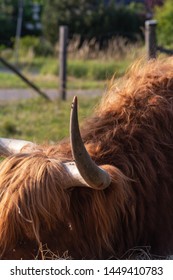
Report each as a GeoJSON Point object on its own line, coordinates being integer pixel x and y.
{"type": "Point", "coordinates": [74, 103]}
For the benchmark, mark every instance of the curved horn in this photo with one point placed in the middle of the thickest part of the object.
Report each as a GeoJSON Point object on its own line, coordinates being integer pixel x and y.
{"type": "Point", "coordinates": [75, 178]}
{"type": "Point", "coordinates": [93, 175]}
{"type": "Point", "coordinates": [12, 146]}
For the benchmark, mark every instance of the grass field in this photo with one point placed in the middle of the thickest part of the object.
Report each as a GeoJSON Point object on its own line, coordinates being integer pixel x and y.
{"type": "Point", "coordinates": [10, 80]}
{"type": "Point", "coordinates": [40, 121]}
{"type": "Point", "coordinates": [87, 68]}
{"type": "Point", "coordinates": [90, 74]}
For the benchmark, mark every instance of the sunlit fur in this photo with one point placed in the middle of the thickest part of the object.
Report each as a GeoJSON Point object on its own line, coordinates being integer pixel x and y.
{"type": "Point", "coordinates": [131, 136]}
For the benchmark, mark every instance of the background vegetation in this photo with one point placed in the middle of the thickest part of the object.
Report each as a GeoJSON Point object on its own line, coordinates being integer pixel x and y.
{"type": "Point", "coordinates": [93, 19]}
{"type": "Point", "coordinates": [164, 16]}
{"type": "Point", "coordinates": [103, 41]}
{"type": "Point", "coordinates": [40, 121]}
{"type": "Point", "coordinates": [89, 19]}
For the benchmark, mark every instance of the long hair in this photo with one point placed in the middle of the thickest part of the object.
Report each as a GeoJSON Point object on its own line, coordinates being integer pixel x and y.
{"type": "Point", "coordinates": [132, 129]}
{"type": "Point", "coordinates": [34, 203]}
{"type": "Point", "coordinates": [31, 197]}
{"type": "Point", "coordinates": [131, 132]}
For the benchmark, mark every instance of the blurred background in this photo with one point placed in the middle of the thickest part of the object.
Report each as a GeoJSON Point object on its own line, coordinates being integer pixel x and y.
{"type": "Point", "coordinates": [103, 39]}
{"type": "Point", "coordinates": [106, 34]}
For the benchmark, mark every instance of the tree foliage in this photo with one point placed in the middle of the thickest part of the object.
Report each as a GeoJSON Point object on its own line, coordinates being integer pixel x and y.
{"type": "Point", "coordinates": [164, 16]}
{"type": "Point", "coordinates": [8, 18]}
{"type": "Point", "coordinates": [91, 19]}
{"type": "Point", "coordinates": [86, 18]}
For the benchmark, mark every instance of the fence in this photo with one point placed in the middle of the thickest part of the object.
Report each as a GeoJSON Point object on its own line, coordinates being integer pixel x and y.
{"type": "Point", "coordinates": [151, 52]}
{"type": "Point", "coordinates": [21, 76]}
{"type": "Point", "coordinates": [63, 37]}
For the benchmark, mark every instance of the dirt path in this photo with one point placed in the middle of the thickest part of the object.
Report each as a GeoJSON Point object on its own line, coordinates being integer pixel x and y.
{"type": "Point", "coordinates": [16, 94]}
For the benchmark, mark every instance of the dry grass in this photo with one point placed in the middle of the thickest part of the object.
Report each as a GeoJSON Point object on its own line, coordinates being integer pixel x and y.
{"type": "Point", "coordinates": [136, 253]}
{"type": "Point", "coordinates": [47, 254]}
{"type": "Point", "coordinates": [116, 49]}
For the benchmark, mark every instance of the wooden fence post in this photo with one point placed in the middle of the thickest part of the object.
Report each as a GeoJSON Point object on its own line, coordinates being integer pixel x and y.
{"type": "Point", "coordinates": [19, 74]}
{"type": "Point", "coordinates": [150, 38]}
{"type": "Point", "coordinates": [18, 30]}
{"type": "Point", "coordinates": [63, 37]}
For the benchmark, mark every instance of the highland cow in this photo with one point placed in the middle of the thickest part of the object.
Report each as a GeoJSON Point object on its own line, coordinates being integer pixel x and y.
{"type": "Point", "coordinates": [105, 191]}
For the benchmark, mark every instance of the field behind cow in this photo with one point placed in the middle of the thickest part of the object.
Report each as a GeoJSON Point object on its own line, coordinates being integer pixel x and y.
{"type": "Point", "coordinates": [40, 121]}
{"type": "Point", "coordinates": [87, 67]}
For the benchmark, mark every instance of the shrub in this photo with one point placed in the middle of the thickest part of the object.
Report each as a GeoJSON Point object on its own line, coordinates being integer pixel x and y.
{"type": "Point", "coordinates": [164, 16]}
{"type": "Point", "coordinates": [92, 19]}
{"type": "Point", "coordinates": [39, 46]}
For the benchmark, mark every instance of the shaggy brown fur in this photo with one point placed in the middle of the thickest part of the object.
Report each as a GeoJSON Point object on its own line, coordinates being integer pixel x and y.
{"type": "Point", "coordinates": [131, 133]}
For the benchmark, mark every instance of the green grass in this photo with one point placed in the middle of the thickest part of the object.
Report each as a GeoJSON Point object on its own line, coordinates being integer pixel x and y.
{"type": "Point", "coordinates": [81, 74]}
{"type": "Point", "coordinates": [40, 121]}
{"type": "Point", "coordinates": [91, 69]}
{"type": "Point", "coordinates": [95, 70]}
{"type": "Point", "coordinates": [10, 80]}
